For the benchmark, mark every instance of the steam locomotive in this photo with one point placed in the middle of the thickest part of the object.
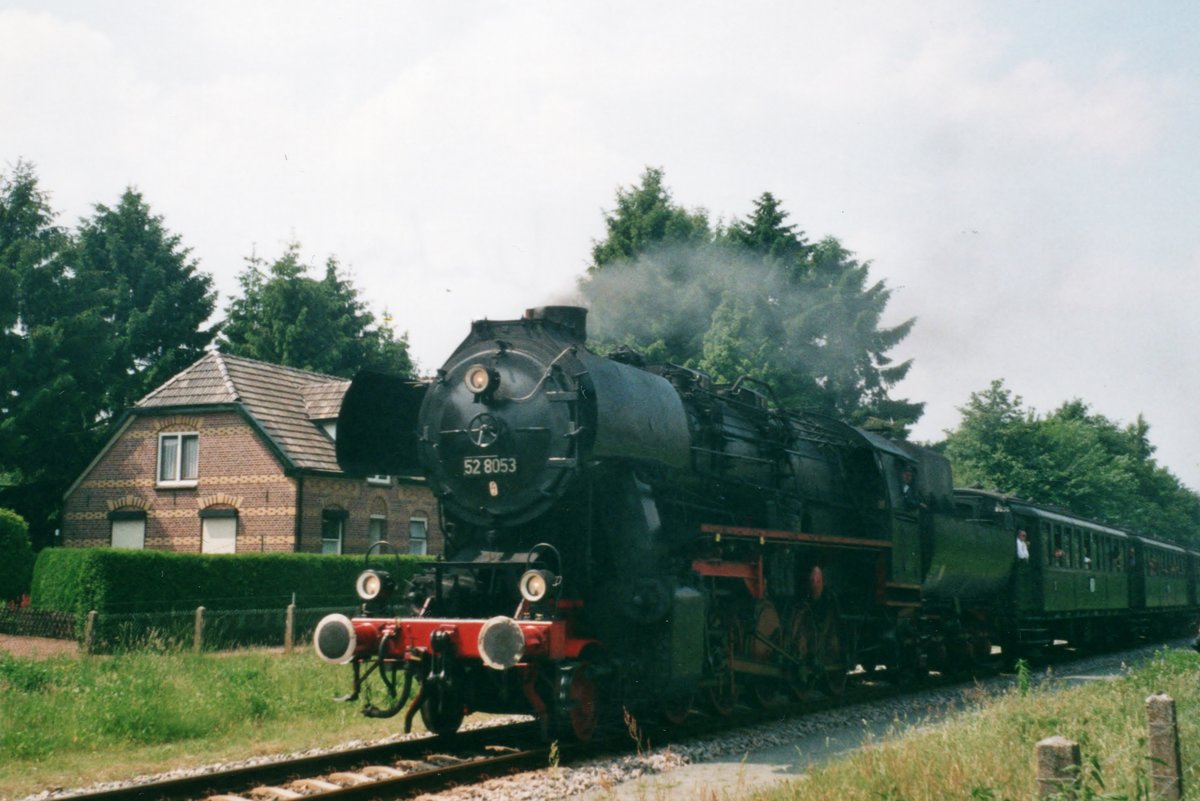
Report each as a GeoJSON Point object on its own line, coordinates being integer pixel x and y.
{"type": "Point", "coordinates": [625, 535]}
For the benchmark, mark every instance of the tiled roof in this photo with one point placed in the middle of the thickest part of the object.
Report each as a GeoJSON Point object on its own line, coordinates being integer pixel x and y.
{"type": "Point", "coordinates": [323, 400]}
{"type": "Point", "coordinates": [285, 401]}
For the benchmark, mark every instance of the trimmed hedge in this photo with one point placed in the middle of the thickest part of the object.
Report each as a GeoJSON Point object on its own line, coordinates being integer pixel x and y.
{"type": "Point", "coordinates": [16, 556]}
{"type": "Point", "coordinates": [118, 581]}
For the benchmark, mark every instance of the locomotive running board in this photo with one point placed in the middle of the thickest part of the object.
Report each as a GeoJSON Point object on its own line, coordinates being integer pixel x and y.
{"type": "Point", "coordinates": [764, 534]}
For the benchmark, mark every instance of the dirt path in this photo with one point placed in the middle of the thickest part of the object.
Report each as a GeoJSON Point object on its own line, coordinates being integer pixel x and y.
{"type": "Point", "coordinates": [36, 647]}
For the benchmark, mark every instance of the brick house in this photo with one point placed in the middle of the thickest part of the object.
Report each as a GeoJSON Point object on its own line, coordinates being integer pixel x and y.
{"type": "Point", "coordinates": [234, 455]}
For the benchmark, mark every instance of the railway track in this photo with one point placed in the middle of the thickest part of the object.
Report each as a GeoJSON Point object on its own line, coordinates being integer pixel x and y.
{"type": "Point", "coordinates": [392, 770]}
{"type": "Point", "coordinates": [428, 764]}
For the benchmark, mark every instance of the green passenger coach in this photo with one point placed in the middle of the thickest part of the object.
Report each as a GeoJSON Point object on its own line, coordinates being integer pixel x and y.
{"type": "Point", "coordinates": [1085, 582]}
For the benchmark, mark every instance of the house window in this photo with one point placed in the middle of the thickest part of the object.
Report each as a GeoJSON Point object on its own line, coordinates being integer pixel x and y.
{"type": "Point", "coordinates": [128, 529]}
{"type": "Point", "coordinates": [376, 529]}
{"type": "Point", "coordinates": [380, 480]}
{"type": "Point", "coordinates": [178, 459]}
{"type": "Point", "coordinates": [218, 531]}
{"type": "Point", "coordinates": [418, 536]}
{"type": "Point", "coordinates": [333, 526]}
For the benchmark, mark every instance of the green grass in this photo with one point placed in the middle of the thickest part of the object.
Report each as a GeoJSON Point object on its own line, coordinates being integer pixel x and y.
{"type": "Point", "coordinates": [71, 721]}
{"type": "Point", "coordinates": [988, 754]}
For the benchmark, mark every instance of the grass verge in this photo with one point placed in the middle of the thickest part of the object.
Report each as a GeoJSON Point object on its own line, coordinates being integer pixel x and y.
{"type": "Point", "coordinates": [988, 754]}
{"type": "Point", "coordinates": [71, 721]}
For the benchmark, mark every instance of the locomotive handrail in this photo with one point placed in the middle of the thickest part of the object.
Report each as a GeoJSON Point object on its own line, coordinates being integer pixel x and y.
{"type": "Point", "coordinates": [545, 375]}
{"type": "Point", "coordinates": [752, 380]}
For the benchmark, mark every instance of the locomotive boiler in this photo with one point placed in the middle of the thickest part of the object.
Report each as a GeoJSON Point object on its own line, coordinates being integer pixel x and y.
{"type": "Point", "coordinates": [630, 535]}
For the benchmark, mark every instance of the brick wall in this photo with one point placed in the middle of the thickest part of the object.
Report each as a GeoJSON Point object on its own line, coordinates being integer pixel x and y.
{"type": "Point", "coordinates": [399, 504]}
{"type": "Point", "coordinates": [238, 472]}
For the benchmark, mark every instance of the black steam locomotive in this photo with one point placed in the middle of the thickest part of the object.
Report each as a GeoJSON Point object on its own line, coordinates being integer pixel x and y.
{"type": "Point", "coordinates": [631, 535]}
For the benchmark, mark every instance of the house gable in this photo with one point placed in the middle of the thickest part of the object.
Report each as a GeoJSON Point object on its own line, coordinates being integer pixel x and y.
{"type": "Point", "coordinates": [242, 440]}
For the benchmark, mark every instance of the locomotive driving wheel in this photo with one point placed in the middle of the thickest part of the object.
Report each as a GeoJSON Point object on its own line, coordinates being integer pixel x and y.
{"type": "Point", "coordinates": [800, 643]}
{"type": "Point", "coordinates": [720, 639]}
{"type": "Point", "coordinates": [765, 645]}
{"type": "Point", "coordinates": [831, 647]}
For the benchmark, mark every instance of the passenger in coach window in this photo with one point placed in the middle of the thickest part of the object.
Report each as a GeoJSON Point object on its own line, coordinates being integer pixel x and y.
{"type": "Point", "coordinates": [908, 491]}
{"type": "Point", "coordinates": [1022, 546]}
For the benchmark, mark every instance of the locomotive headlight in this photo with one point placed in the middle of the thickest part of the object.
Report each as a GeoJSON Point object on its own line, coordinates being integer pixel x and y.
{"type": "Point", "coordinates": [374, 585]}
{"type": "Point", "coordinates": [480, 379]}
{"type": "Point", "coordinates": [535, 585]}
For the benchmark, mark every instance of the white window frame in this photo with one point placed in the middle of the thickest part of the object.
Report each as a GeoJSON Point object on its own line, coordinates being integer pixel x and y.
{"type": "Point", "coordinates": [371, 522]}
{"type": "Point", "coordinates": [424, 540]}
{"type": "Point", "coordinates": [380, 480]}
{"type": "Point", "coordinates": [340, 519]}
{"type": "Point", "coordinates": [179, 437]}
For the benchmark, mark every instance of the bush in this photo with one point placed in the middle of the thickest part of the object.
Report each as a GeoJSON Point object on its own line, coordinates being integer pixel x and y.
{"type": "Point", "coordinates": [127, 582]}
{"type": "Point", "coordinates": [16, 556]}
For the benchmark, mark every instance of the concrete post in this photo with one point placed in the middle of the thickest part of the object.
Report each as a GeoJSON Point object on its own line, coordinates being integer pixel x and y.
{"type": "Point", "coordinates": [1166, 774]}
{"type": "Point", "coordinates": [1058, 765]}
{"type": "Point", "coordinates": [89, 633]}
{"type": "Point", "coordinates": [289, 628]}
{"type": "Point", "coordinates": [198, 635]}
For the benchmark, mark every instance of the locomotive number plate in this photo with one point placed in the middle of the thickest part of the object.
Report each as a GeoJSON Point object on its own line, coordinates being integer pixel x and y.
{"type": "Point", "coordinates": [489, 465]}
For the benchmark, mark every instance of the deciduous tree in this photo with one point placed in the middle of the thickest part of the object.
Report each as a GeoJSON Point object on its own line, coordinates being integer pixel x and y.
{"type": "Point", "coordinates": [1071, 458]}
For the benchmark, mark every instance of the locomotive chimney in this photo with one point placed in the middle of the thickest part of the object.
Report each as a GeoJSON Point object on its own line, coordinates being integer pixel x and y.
{"type": "Point", "coordinates": [572, 318]}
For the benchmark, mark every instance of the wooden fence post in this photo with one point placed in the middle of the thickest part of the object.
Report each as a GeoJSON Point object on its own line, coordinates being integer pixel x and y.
{"type": "Point", "coordinates": [198, 635]}
{"type": "Point", "coordinates": [89, 633]}
{"type": "Point", "coordinates": [1058, 765]}
{"type": "Point", "coordinates": [1166, 774]}
{"type": "Point", "coordinates": [289, 629]}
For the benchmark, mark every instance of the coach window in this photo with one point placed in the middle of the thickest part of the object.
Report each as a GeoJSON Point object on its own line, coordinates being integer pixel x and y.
{"type": "Point", "coordinates": [418, 536]}
{"type": "Point", "coordinates": [128, 528]}
{"type": "Point", "coordinates": [333, 528]}
{"type": "Point", "coordinates": [178, 459]}
{"type": "Point", "coordinates": [218, 530]}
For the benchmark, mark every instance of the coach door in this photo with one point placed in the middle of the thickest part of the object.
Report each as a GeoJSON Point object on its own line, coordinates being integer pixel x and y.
{"type": "Point", "coordinates": [1026, 575]}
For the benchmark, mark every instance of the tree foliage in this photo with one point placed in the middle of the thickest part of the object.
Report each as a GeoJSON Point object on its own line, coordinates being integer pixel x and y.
{"type": "Point", "coordinates": [90, 320]}
{"type": "Point", "coordinates": [753, 298]}
{"type": "Point", "coordinates": [647, 219]}
{"type": "Point", "coordinates": [286, 317]}
{"type": "Point", "coordinates": [1070, 458]}
{"type": "Point", "coordinates": [16, 566]}
{"type": "Point", "coordinates": [154, 296]}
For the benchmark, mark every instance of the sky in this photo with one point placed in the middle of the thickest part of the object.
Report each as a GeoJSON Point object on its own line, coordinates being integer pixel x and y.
{"type": "Point", "coordinates": [1023, 175]}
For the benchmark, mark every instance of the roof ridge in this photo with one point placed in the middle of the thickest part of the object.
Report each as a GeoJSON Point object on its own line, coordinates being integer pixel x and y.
{"type": "Point", "coordinates": [177, 377]}
{"type": "Point", "coordinates": [224, 371]}
{"type": "Point", "coordinates": [301, 372]}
